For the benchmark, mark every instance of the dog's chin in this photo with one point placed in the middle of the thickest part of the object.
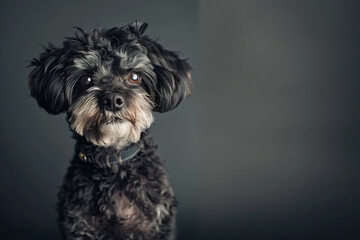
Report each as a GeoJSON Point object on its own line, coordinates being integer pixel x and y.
{"type": "Point", "coordinates": [113, 120]}
{"type": "Point", "coordinates": [119, 133]}
{"type": "Point", "coordinates": [115, 133]}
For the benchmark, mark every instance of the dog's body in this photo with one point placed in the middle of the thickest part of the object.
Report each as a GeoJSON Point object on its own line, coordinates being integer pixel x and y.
{"type": "Point", "coordinates": [135, 202]}
{"type": "Point", "coordinates": [109, 82]}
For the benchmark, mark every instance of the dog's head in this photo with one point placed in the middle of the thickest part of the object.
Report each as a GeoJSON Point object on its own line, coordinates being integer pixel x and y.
{"type": "Point", "coordinates": [109, 82]}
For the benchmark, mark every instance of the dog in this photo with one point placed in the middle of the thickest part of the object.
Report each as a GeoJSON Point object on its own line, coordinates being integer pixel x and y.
{"type": "Point", "coordinates": [109, 82]}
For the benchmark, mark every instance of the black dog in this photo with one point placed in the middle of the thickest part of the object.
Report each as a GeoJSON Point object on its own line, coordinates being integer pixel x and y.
{"type": "Point", "coordinates": [109, 82]}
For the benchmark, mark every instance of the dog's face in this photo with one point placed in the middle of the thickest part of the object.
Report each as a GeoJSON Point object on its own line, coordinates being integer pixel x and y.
{"type": "Point", "coordinates": [109, 82]}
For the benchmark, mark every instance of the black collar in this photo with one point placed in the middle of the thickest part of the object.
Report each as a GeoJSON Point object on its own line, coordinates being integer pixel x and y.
{"type": "Point", "coordinates": [125, 154]}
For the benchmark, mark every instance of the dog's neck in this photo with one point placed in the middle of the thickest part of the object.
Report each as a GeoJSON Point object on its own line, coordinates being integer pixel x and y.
{"type": "Point", "coordinates": [105, 157]}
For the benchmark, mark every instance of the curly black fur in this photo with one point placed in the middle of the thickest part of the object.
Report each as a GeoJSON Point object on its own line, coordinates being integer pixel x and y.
{"type": "Point", "coordinates": [88, 207]}
{"type": "Point", "coordinates": [89, 78]}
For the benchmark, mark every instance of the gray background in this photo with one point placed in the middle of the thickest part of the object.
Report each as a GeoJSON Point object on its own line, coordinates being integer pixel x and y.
{"type": "Point", "coordinates": [278, 120]}
{"type": "Point", "coordinates": [36, 148]}
{"type": "Point", "coordinates": [266, 148]}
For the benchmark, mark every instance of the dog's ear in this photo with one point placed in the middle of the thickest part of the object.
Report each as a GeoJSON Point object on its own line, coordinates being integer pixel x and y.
{"type": "Point", "coordinates": [47, 80]}
{"type": "Point", "coordinates": [173, 78]}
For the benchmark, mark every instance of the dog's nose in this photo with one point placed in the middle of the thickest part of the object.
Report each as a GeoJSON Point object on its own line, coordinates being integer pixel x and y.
{"type": "Point", "coordinates": [112, 102]}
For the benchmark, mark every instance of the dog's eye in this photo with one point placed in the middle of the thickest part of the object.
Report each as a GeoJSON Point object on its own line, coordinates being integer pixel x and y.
{"type": "Point", "coordinates": [85, 81]}
{"type": "Point", "coordinates": [134, 78]}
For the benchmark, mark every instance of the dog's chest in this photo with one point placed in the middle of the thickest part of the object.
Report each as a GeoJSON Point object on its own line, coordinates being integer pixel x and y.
{"type": "Point", "coordinates": [127, 214]}
{"type": "Point", "coordinates": [132, 201]}
{"type": "Point", "coordinates": [129, 201]}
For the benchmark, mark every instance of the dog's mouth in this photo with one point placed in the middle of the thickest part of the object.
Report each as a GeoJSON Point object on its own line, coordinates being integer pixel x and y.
{"type": "Point", "coordinates": [113, 120]}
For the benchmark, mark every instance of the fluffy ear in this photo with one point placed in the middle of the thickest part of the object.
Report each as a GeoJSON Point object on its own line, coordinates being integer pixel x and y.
{"type": "Point", "coordinates": [46, 81]}
{"type": "Point", "coordinates": [173, 76]}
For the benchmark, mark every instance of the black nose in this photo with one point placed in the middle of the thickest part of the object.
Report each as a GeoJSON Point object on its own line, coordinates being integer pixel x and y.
{"type": "Point", "coordinates": [112, 102]}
